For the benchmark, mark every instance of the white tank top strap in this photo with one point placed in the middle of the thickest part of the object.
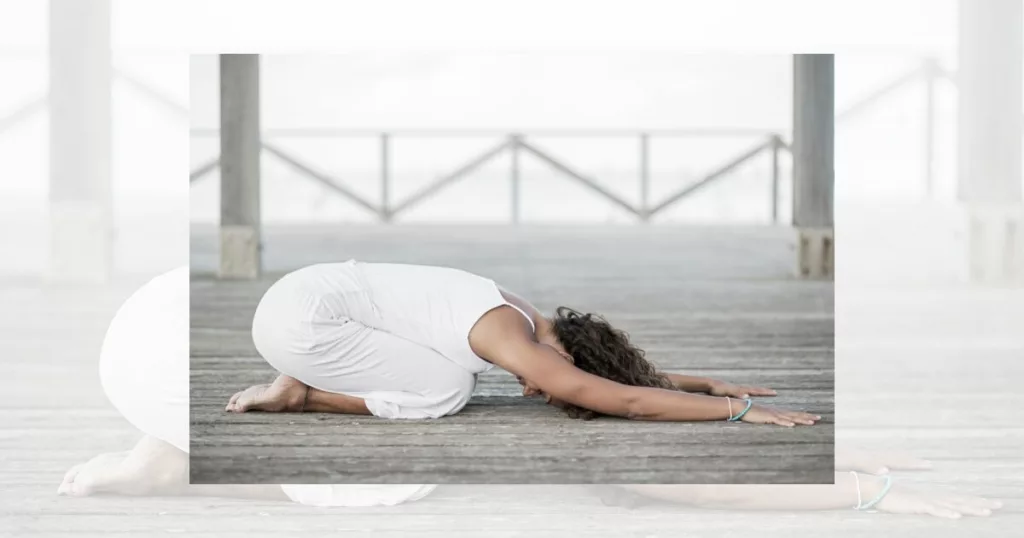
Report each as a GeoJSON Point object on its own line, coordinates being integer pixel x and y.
{"type": "Point", "coordinates": [525, 315]}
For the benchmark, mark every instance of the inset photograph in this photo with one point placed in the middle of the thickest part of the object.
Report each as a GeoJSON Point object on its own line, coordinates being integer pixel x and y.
{"type": "Point", "coordinates": [472, 268]}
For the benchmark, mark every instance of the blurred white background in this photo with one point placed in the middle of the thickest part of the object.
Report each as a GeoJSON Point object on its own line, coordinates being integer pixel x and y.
{"type": "Point", "coordinates": [959, 344]}
{"type": "Point", "coordinates": [879, 157]}
{"type": "Point", "coordinates": [633, 91]}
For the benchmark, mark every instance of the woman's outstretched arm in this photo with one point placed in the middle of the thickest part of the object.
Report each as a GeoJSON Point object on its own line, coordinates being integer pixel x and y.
{"type": "Point", "coordinates": [691, 383]}
{"type": "Point", "coordinates": [716, 387]}
{"type": "Point", "coordinates": [505, 345]}
{"type": "Point", "coordinates": [840, 495]}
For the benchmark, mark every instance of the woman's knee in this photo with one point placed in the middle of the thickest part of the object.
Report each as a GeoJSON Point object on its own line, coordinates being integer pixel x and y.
{"type": "Point", "coordinates": [458, 394]}
{"type": "Point", "coordinates": [276, 345]}
{"type": "Point", "coordinates": [145, 357]}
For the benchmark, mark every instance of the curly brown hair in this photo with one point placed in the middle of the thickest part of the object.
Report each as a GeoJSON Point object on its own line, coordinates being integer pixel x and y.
{"type": "Point", "coordinates": [600, 349]}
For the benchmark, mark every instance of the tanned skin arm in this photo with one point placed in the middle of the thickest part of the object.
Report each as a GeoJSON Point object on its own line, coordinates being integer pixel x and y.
{"type": "Point", "coordinates": [506, 342]}
{"type": "Point", "coordinates": [691, 383]}
{"type": "Point", "coordinates": [542, 323]}
{"type": "Point", "coordinates": [686, 383]}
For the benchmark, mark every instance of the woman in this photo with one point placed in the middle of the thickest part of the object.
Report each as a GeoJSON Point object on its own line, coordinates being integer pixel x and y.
{"type": "Point", "coordinates": [144, 370]}
{"type": "Point", "coordinates": [407, 341]}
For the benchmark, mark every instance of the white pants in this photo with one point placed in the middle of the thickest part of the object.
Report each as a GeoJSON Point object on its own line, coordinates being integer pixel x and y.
{"type": "Point", "coordinates": [334, 348]}
{"type": "Point", "coordinates": [144, 369]}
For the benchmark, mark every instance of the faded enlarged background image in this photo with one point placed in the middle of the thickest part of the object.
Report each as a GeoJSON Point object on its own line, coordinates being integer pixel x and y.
{"type": "Point", "coordinates": [94, 231]}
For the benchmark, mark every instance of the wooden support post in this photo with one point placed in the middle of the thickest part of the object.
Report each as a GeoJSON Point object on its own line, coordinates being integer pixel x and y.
{"type": "Point", "coordinates": [989, 137]}
{"type": "Point", "coordinates": [385, 177]}
{"type": "Point", "coordinates": [514, 178]}
{"type": "Point", "coordinates": [813, 163]}
{"type": "Point", "coordinates": [240, 166]}
{"type": "Point", "coordinates": [81, 199]}
{"type": "Point", "coordinates": [645, 177]}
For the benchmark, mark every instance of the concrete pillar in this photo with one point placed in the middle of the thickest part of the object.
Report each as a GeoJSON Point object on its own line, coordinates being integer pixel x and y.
{"type": "Point", "coordinates": [989, 79]}
{"type": "Point", "coordinates": [239, 166]}
{"type": "Point", "coordinates": [80, 197]}
{"type": "Point", "coordinates": [813, 163]}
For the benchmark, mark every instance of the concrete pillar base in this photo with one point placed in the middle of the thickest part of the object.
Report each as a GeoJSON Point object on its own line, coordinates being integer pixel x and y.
{"type": "Point", "coordinates": [815, 253]}
{"type": "Point", "coordinates": [239, 252]}
{"type": "Point", "coordinates": [995, 244]}
{"type": "Point", "coordinates": [81, 242]}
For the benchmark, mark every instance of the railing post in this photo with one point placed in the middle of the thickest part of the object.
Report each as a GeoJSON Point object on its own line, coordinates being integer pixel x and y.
{"type": "Point", "coordinates": [813, 151]}
{"type": "Point", "coordinates": [645, 178]}
{"type": "Point", "coordinates": [514, 176]}
{"type": "Point", "coordinates": [385, 180]}
{"type": "Point", "coordinates": [240, 149]}
{"type": "Point", "coordinates": [930, 74]}
{"type": "Point", "coordinates": [776, 146]}
{"type": "Point", "coordinates": [80, 193]}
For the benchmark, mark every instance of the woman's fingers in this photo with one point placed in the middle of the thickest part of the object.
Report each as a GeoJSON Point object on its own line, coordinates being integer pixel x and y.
{"type": "Point", "coordinates": [966, 508]}
{"type": "Point", "coordinates": [793, 418]}
{"type": "Point", "coordinates": [768, 415]}
{"type": "Point", "coordinates": [782, 420]}
{"type": "Point", "coordinates": [758, 391]}
{"type": "Point", "coordinates": [909, 501]}
{"type": "Point", "coordinates": [800, 417]}
{"type": "Point", "coordinates": [971, 502]}
{"type": "Point", "coordinates": [941, 511]}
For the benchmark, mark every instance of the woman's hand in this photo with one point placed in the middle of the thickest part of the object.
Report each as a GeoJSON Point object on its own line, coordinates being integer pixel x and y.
{"type": "Point", "coordinates": [904, 500]}
{"type": "Point", "coordinates": [760, 414]}
{"type": "Point", "coordinates": [721, 388]}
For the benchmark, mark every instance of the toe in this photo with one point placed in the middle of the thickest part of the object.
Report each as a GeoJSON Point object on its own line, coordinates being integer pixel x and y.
{"type": "Point", "coordinates": [69, 478]}
{"type": "Point", "coordinates": [232, 402]}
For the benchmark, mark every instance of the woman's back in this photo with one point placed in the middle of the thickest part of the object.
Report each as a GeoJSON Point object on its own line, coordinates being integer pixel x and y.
{"type": "Point", "coordinates": [435, 307]}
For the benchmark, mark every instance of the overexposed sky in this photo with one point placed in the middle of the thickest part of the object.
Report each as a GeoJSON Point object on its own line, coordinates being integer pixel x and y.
{"type": "Point", "coordinates": [698, 26]}
{"type": "Point", "coordinates": [660, 72]}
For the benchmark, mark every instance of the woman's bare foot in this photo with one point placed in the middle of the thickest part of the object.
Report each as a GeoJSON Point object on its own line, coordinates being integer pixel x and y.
{"type": "Point", "coordinates": [283, 395]}
{"type": "Point", "coordinates": [153, 467]}
{"type": "Point", "coordinates": [878, 463]}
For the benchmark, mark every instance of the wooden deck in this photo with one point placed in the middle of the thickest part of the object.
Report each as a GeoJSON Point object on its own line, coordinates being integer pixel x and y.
{"type": "Point", "coordinates": [716, 303]}
{"type": "Point", "coordinates": [933, 372]}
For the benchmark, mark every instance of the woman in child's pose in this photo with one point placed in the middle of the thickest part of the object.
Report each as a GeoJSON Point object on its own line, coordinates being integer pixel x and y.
{"type": "Point", "coordinates": [407, 341]}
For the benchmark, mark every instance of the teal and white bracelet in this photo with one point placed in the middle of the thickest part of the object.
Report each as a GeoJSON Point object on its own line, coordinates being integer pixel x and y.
{"type": "Point", "coordinates": [750, 404]}
{"type": "Point", "coordinates": [861, 505]}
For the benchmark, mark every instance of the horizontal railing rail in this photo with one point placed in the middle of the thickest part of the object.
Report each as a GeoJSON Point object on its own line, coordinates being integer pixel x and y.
{"type": "Point", "coordinates": [331, 132]}
{"type": "Point", "coordinates": [771, 141]}
{"type": "Point", "coordinates": [525, 142]}
{"type": "Point", "coordinates": [517, 144]}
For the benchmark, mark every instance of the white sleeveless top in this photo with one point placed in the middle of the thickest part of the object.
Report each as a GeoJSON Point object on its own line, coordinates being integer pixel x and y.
{"type": "Point", "coordinates": [432, 306]}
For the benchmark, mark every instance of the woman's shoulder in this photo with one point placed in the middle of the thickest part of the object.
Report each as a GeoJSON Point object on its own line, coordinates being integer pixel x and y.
{"type": "Point", "coordinates": [499, 329]}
